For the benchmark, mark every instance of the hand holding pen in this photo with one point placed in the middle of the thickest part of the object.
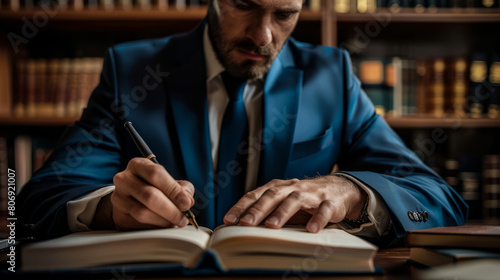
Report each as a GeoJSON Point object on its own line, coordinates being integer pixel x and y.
{"type": "Point", "coordinates": [146, 196]}
{"type": "Point", "coordinates": [147, 153]}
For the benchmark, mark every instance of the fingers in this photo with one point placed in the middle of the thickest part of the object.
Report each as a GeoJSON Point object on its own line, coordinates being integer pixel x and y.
{"type": "Point", "coordinates": [254, 206]}
{"type": "Point", "coordinates": [157, 176]}
{"type": "Point", "coordinates": [147, 196]}
{"type": "Point", "coordinates": [278, 203]}
{"type": "Point", "coordinates": [322, 216]}
{"type": "Point", "coordinates": [133, 215]}
{"type": "Point", "coordinates": [287, 209]}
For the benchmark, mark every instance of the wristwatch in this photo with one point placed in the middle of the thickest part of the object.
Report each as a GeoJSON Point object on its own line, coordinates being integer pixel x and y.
{"type": "Point", "coordinates": [363, 217]}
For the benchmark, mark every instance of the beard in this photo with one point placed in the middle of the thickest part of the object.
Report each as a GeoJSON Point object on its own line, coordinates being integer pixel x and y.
{"type": "Point", "coordinates": [248, 69]}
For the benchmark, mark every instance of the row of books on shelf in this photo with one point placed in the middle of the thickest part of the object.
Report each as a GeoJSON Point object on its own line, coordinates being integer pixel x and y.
{"type": "Point", "coordinates": [23, 154]}
{"type": "Point", "coordinates": [54, 87]}
{"type": "Point", "coordinates": [477, 179]}
{"type": "Point", "coordinates": [418, 6]}
{"type": "Point", "coordinates": [438, 87]}
{"type": "Point", "coordinates": [16, 5]}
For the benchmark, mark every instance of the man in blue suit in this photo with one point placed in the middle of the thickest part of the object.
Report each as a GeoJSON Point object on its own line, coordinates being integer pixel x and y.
{"type": "Point", "coordinates": [295, 141]}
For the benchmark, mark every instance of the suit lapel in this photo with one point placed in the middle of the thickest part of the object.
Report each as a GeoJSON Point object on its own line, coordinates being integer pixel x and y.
{"type": "Point", "coordinates": [186, 91]}
{"type": "Point", "coordinates": [280, 104]}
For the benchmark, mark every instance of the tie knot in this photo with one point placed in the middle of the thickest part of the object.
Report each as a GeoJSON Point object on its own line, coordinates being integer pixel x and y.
{"type": "Point", "coordinates": [234, 86]}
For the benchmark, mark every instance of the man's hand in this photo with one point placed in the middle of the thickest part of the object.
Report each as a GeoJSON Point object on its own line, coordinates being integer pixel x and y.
{"type": "Point", "coordinates": [326, 198]}
{"type": "Point", "coordinates": [145, 196]}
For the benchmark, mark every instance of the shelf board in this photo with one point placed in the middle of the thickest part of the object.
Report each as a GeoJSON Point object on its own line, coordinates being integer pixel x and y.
{"type": "Point", "coordinates": [403, 122]}
{"type": "Point", "coordinates": [410, 16]}
{"type": "Point", "coordinates": [36, 121]}
{"type": "Point", "coordinates": [134, 15]}
{"type": "Point", "coordinates": [453, 123]}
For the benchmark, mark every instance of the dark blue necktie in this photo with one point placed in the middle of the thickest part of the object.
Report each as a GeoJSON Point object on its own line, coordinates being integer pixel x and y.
{"type": "Point", "coordinates": [233, 151]}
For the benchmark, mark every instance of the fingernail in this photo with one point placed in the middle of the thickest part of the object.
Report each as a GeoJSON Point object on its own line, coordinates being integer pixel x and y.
{"type": "Point", "coordinates": [231, 218]}
{"type": "Point", "coordinates": [273, 221]}
{"type": "Point", "coordinates": [247, 219]}
{"type": "Point", "coordinates": [313, 227]}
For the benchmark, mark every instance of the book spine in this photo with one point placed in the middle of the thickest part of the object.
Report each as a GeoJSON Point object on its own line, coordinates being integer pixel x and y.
{"type": "Point", "coordinates": [389, 90]}
{"type": "Point", "coordinates": [73, 81]}
{"type": "Point", "coordinates": [23, 159]}
{"type": "Point", "coordinates": [422, 83]}
{"type": "Point", "coordinates": [127, 4]}
{"type": "Point", "coordinates": [436, 98]}
{"type": "Point", "coordinates": [457, 87]}
{"type": "Point", "coordinates": [478, 75]}
{"type": "Point", "coordinates": [162, 4]}
{"type": "Point", "coordinates": [487, 3]}
{"type": "Point", "coordinates": [398, 87]}
{"type": "Point", "coordinates": [20, 91]}
{"type": "Point", "coordinates": [394, 5]}
{"type": "Point", "coordinates": [15, 5]}
{"type": "Point", "coordinates": [144, 4]}
{"type": "Point", "coordinates": [412, 87]}
{"type": "Point", "coordinates": [52, 81]}
{"type": "Point", "coordinates": [315, 5]}
{"type": "Point", "coordinates": [107, 4]}
{"type": "Point", "coordinates": [180, 4]}
{"type": "Point", "coordinates": [451, 173]}
{"type": "Point", "coordinates": [371, 75]}
{"type": "Point", "coordinates": [61, 88]}
{"type": "Point", "coordinates": [408, 85]}
{"type": "Point", "coordinates": [342, 6]}
{"type": "Point", "coordinates": [491, 187]}
{"type": "Point", "coordinates": [494, 78]}
{"type": "Point", "coordinates": [30, 88]}
{"type": "Point", "coordinates": [470, 168]}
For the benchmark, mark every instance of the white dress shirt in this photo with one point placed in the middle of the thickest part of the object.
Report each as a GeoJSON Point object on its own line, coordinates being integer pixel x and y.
{"type": "Point", "coordinates": [82, 210]}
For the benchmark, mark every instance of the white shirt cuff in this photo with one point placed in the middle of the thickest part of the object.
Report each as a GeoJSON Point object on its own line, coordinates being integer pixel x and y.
{"type": "Point", "coordinates": [81, 211]}
{"type": "Point", "coordinates": [380, 220]}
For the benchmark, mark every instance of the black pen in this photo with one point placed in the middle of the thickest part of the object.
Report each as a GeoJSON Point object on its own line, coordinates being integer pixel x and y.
{"type": "Point", "coordinates": [147, 153]}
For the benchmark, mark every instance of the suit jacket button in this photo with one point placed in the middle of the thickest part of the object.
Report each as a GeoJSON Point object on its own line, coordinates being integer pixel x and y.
{"type": "Point", "coordinates": [415, 216]}
{"type": "Point", "coordinates": [410, 215]}
{"type": "Point", "coordinates": [420, 216]}
{"type": "Point", "coordinates": [426, 216]}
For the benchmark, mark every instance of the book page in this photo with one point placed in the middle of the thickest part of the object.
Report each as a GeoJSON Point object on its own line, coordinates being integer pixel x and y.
{"type": "Point", "coordinates": [96, 248]}
{"type": "Point", "coordinates": [189, 234]}
{"type": "Point", "coordinates": [331, 237]}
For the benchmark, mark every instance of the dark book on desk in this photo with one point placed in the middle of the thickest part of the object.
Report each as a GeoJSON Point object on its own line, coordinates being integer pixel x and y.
{"type": "Point", "coordinates": [468, 236]}
{"type": "Point", "coordinates": [233, 248]}
{"type": "Point", "coordinates": [439, 256]}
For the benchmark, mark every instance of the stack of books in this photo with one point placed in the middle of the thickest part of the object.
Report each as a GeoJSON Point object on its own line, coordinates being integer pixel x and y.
{"type": "Point", "coordinates": [445, 245]}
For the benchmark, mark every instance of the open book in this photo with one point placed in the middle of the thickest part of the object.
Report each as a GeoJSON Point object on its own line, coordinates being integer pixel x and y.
{"type": "Point", "coordinates": [232, 247]}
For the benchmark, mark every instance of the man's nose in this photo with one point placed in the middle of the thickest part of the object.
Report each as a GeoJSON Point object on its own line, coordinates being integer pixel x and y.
{"type": "Point", "coordinates": [260, 30]}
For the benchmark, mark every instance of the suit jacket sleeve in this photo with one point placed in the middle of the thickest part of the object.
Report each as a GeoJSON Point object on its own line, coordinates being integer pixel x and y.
{"type": "Point", "coordinates": [87, 159]}
{"type": "Point", "coordinates": [374, 154]}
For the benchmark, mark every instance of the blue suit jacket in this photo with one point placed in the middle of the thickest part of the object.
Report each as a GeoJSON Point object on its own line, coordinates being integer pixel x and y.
{"type": "Point", "coordinates": [315, 115]}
